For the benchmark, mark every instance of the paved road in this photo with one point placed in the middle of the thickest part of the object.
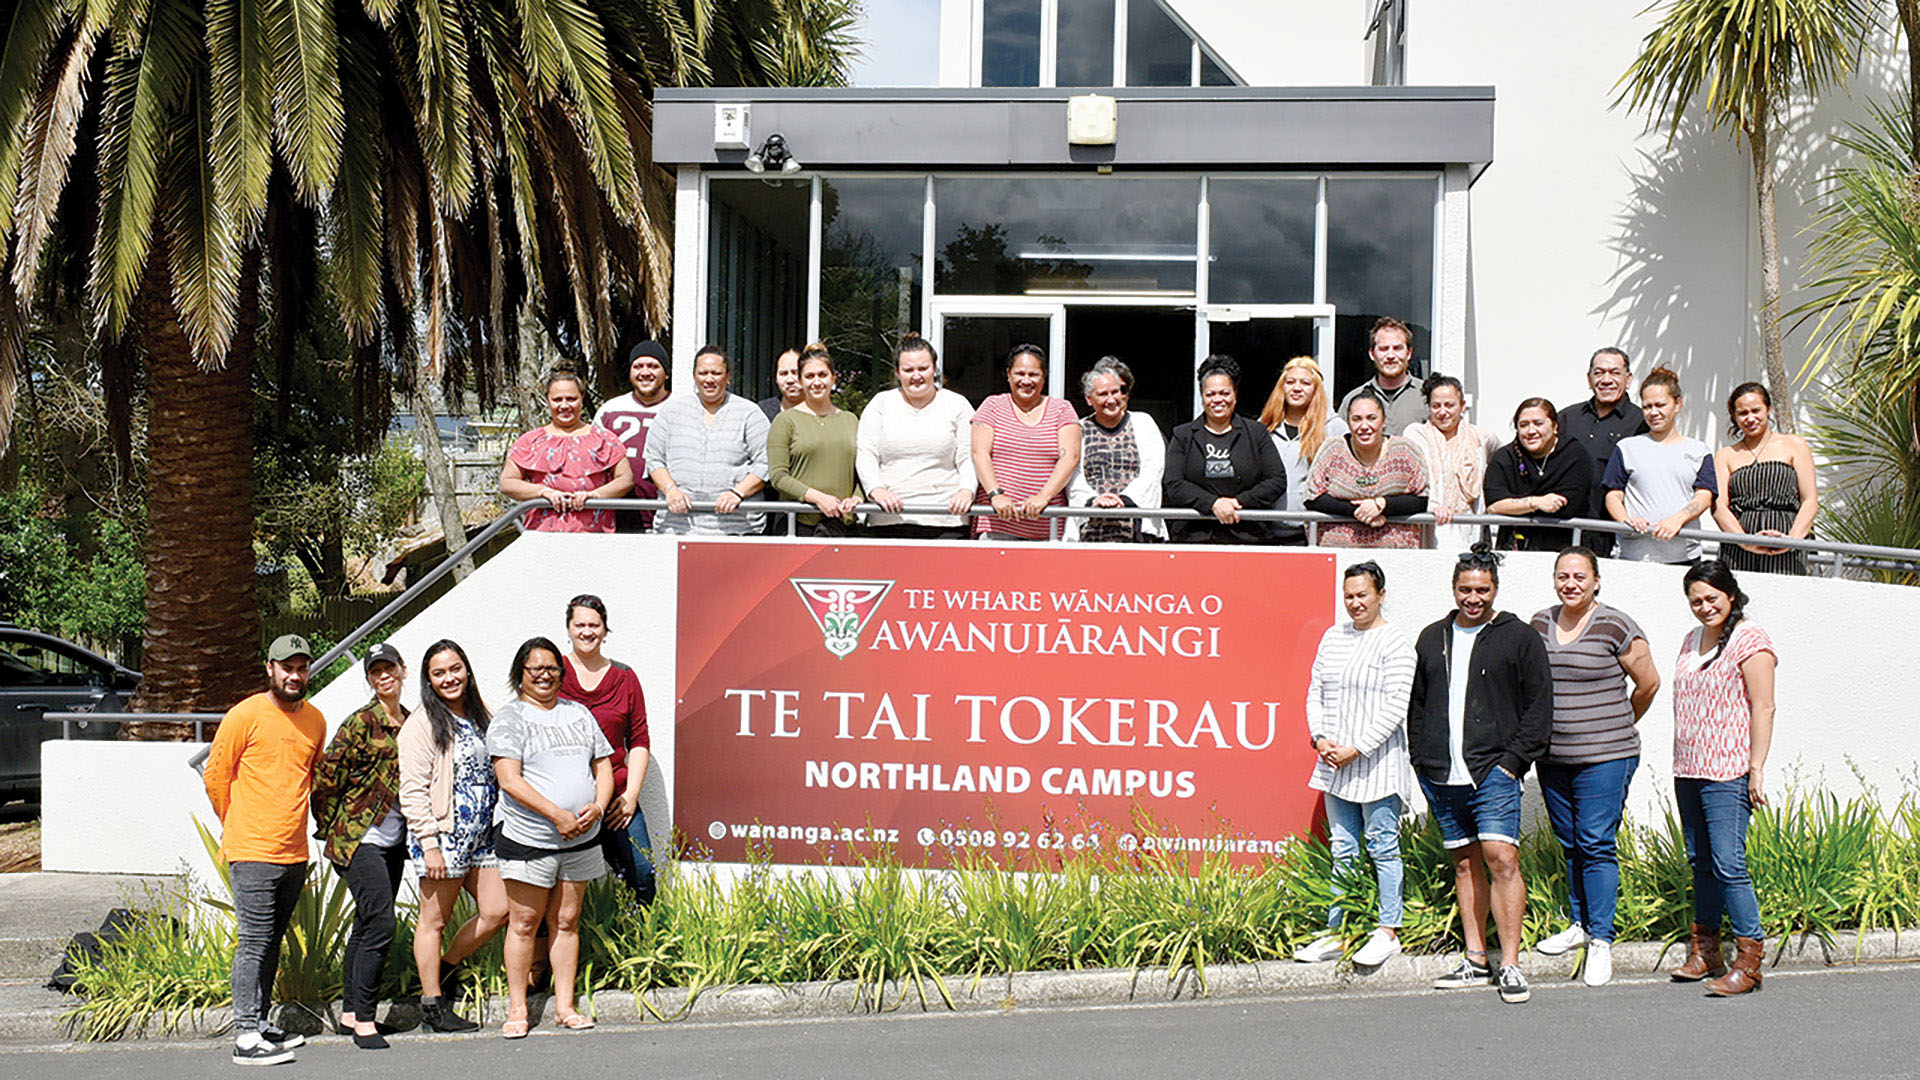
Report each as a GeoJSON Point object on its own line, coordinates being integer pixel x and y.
{"type": "Point", "coordinates": [1826, 1025]}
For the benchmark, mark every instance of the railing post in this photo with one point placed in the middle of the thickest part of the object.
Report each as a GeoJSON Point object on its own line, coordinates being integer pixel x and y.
{"type": "Point", "coordinates": [1838, 560]}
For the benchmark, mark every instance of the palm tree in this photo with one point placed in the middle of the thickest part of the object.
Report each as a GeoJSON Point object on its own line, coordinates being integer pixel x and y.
{"type": "Point", "coordinates": [1748, 57]}
{"type": "Point", "coordinates": [459, 154]}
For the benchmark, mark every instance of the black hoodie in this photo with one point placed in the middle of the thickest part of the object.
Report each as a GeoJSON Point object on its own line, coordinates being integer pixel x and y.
{"type": "Point", "coordinates": [1509, 719]}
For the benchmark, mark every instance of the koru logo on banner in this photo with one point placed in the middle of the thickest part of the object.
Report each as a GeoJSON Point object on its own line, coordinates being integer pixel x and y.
{"type": "Point", "coordinates": [841, 609]}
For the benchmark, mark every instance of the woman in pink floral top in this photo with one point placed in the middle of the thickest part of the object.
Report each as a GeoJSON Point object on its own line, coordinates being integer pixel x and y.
{"type": "Point", "coordinates": [566, 462]}
{"type": "Point", "coordinates": [1722, 728]}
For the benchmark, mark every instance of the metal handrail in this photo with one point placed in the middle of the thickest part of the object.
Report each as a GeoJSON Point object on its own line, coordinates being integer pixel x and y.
{"type": "Point", "coordinates": [198, 720]}
{"type": "Point", "coordinates": [1861, 554]}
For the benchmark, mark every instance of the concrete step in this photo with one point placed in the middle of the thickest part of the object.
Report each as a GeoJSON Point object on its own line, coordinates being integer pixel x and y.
{"type": "Point", "coordinates": [40, 912]}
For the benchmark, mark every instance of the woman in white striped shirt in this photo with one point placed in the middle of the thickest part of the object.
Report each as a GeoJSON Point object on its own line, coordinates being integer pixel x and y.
{"type": "Point", "coordinates": [1357, 714]}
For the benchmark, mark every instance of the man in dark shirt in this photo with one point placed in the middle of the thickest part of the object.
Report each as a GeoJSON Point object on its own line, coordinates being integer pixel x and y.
{"type": "Point", "coordinates": [1599, 423]}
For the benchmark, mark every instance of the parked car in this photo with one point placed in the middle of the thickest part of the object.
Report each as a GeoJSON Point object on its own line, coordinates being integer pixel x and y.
{"type": "Point", "coordinates": [41, 674]}
{"type": "Point", "coordinates": [457, 433]}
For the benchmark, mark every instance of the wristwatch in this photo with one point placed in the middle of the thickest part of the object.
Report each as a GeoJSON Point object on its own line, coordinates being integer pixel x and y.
{"type": "Point", "coordinates": [994, 494]}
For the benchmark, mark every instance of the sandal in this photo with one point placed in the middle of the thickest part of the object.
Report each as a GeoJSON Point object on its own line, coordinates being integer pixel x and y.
{"type": "Point", "coordinates": [513, 1029]}
{"type": "Point", "coordinates": [574, 1021]}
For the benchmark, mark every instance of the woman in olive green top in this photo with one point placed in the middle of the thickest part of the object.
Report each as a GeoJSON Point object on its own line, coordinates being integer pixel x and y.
{"type": "Point", "coordinates": [810, 450]}
{"type": "Point", "coordinates": [356, 812]}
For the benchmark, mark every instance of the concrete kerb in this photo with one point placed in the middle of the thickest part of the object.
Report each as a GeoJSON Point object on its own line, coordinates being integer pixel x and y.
{"type": "Point", "coordinates": [35, 1018]}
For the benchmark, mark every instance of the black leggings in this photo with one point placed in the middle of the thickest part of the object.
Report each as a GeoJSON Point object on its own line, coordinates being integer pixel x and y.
{"type": "Point", "coordinates": [373, 876]}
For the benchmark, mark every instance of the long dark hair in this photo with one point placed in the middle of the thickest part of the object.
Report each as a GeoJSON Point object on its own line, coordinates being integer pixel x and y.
{"type": "Point", "coordinates": [1720, 576]}
{"type": "Point", "coordinates": [519, 667]}
{"type": "Point", "coordinates": [441, 718]}
{"type": "Point", "coordinates": [1520, 456]}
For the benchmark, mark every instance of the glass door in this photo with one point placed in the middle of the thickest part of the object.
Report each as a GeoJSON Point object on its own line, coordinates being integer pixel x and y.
{"type": "Point", "coordinates": [973, 339]}
{"type": "Point", "coordinates": [1263, 339]}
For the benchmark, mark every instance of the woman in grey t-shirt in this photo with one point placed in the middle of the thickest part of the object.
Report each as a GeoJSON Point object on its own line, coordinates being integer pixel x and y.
{"type": "Point", "coordinates": [1603, 682]}
{"type": "Point", "coordinates": [556, 778]}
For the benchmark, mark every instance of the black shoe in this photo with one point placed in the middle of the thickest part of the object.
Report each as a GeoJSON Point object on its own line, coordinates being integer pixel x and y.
{"type": "Point", "coordinates": [380, 1026]}
{"type": "Point", "coordinates": [261, 1053]}
{"type": "Point", "coordinates": [1468, 974]}
{"type": "Point", "coordinates": [370, 1042]}
{"type": "Point", "coordinates": [436, 1014]}
{"type": "Point", "coordinates": [282, 1038]}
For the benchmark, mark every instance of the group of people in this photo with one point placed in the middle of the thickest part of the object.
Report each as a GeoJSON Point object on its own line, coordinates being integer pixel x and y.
{"type": "Point", "coordinates": [518, 806]}
{"type": "Point", "coordinates": [1477, 698]}
{"type": "Point", "coordinates": [1392, 449]}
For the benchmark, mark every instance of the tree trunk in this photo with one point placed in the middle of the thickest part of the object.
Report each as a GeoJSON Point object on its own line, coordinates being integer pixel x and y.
{"type": "Point", "coordinates": [202, 650]}
{"type": "Point", "coordinates": [1910, 24]}
{"type": "Point", "coordinates": [426, 404]}
{"type": "Point", "coordinates": [1777, 380]}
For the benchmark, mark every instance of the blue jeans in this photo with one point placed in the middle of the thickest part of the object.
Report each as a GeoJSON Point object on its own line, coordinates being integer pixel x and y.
{"type": "Point", "coordinates": [1380, 821]}
{"type": "Point", "coordinates": [1470, 814]}
{"type": "Point", "coordinates": [1585, 803]}
{"type": "Point", "coordinates": [1713, 817]}
{"type": "Point", "coordinates": [629, 855]}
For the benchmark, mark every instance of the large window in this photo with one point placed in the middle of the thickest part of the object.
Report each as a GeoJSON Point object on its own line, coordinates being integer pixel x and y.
{"type": "Point", "coordinates": [757, 275]}
{"type": "Point", "coordinates": [1087, 42]}
{"type": "Point", "coordinates": [1261, 240]}
{"type": "Point", "coordinates": [1380, 257]}
{"type": "Point", "coordinates": [1043, 236]}
{"type": "Point", "coordinates": [1009, 42]}
{"type": "Point", "coordinates": [870, 280]}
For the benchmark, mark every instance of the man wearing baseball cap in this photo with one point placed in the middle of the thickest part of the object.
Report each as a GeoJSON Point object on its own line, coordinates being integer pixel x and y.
{"type": "Point", "coordinates": [259, 774]}
{"type": "Point", "coordinates": [630, 416]}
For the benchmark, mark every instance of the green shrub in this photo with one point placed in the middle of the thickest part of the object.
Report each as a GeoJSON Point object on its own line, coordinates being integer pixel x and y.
{"type": "Point", "coordinates": [1820, 866]}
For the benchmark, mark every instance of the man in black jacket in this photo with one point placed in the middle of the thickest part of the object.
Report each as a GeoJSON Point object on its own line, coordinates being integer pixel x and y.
{"type": "Point", "coordinates": [1481, 714]}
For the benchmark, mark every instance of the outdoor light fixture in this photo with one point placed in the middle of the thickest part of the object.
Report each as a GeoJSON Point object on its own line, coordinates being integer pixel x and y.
{"type": "Point", "coordinates": [773, 154]}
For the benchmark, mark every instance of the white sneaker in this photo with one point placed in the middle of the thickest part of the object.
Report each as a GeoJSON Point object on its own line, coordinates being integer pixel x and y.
{"type": "Point", "coordinates": [1381, 947]}
{"type": "Point", "coordinates": [1565, 941]}
{"type": "Point", "coordinates": [1598, 968]}
{"type": "Point", "coordinates": [1322, 949]}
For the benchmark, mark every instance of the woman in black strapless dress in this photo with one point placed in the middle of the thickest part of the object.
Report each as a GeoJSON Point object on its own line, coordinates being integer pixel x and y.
{"type": "Point", "coordinates": [1766, 486]}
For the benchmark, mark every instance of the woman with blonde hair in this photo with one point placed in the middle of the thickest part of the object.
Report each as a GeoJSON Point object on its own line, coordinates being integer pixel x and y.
{"type": "Point", "coordinates": [1299, 415]}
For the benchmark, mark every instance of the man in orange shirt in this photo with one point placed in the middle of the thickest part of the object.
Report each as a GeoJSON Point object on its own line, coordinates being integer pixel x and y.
{"type": "Point", "coordinates": [259, 774]}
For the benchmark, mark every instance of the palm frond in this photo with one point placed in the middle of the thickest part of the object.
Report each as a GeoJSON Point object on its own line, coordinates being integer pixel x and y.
{"type": "Point", "coordinates": [52, 123]}
{"type": "Point", "coordinates": [31, 29]}
{"type": "Point", "coordinates": [204, 239]}
{"type": "Point", "coordinates": [356, 210]}
{"type": "Point", "coordinates": [445, 98]}
{"type": "Point", "coordinates": [13, 347]}
{"type": "Point", "coordinates": [309, 124]}
{"type": "Point", "coordinates": [240, 77]}
{"type": "Point", "coordinates": [147, 82]}
{"type": "Point", "coordinates": [566, 50]}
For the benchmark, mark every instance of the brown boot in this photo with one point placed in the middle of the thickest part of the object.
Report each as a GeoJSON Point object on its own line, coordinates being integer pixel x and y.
{"type": "Point", "coordinates": [1745, 976]}
{"type": "Point", "coordinates": [1703, 956]}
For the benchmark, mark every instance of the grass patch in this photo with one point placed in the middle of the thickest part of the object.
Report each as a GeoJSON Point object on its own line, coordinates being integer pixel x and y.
{"type": "Point", "coordinates": [1820, 866]}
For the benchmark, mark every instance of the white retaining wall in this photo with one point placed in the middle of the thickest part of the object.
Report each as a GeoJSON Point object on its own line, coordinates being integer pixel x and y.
{"type": "Point", "coordinates": [1845, 693]}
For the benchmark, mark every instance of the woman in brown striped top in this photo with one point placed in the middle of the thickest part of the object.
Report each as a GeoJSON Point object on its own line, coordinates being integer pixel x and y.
{"type": "Point", "coordinates": [1603, 683]}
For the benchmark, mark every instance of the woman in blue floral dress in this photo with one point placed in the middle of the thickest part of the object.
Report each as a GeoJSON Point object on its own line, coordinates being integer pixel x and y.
{"type": "Point", "coordinates": [447, 795]}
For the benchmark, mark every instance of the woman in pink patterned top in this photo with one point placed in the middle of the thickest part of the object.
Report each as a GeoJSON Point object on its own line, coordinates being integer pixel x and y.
{"type": "Point", "coordinates": [1722, 727]}
{"type": "Point", "coordinates": [1368, 478]}
{"type": "Point", "coordinates": [1026, 447]}
{"type": "Point", "coordinates": [566, 462]}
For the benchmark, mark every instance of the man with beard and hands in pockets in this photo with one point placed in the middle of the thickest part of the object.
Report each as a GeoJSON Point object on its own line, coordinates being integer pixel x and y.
{"type": "Point", "coordinates": [1480, 715]}
{"type": "Point", "coordinates": [259, 777]}
{"type": "Point", "coordinates": [630, 417]}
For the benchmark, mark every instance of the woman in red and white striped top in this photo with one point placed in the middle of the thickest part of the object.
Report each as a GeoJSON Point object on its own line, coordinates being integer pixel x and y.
{"type": "Point", "coordinates": [1722, 728]}
{"type": "Point", "coordinates": [1026, 447]}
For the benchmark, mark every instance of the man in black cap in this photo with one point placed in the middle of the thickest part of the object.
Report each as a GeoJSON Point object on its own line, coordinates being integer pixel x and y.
{"type": "Point", "coordinates": [259, 777]}
{"type": "Point", "coordinates": [630, 417]}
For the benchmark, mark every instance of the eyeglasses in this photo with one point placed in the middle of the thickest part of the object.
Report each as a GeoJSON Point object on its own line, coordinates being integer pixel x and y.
{"type": "Point", "coordinates": [547, 670]}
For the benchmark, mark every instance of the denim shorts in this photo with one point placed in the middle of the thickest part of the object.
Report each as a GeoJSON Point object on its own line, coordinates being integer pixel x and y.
{"type": "Point", "coordinates": [580, 864]}
{"type": "Point", "coordinates": [1468, 814]}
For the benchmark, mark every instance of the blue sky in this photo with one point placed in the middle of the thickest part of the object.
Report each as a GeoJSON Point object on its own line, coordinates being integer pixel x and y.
{"type": "Point", "coordinates": [902, 44]}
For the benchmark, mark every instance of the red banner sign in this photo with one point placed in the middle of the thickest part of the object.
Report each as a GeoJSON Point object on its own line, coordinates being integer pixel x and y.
{"type": "Point", "coordinates": [947, 701]}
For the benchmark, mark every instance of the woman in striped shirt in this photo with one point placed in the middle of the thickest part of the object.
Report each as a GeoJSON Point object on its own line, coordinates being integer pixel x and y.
{"type": "Point", "coordinates": [1356, 712]}
{"type": "Point", "coordinates": [1603, 683]}
{"type": "Point", "coordinates": [1026, 447]}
